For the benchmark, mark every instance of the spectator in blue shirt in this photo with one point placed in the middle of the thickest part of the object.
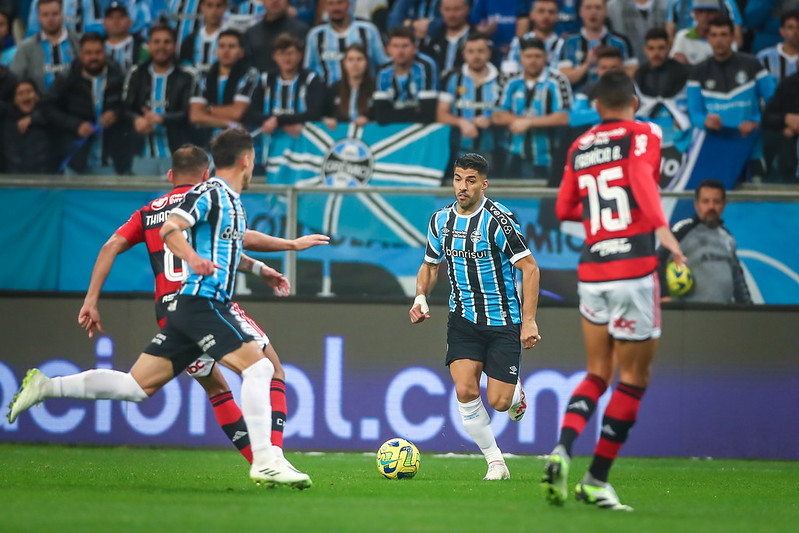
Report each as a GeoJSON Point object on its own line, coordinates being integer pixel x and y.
{"type": "Point", "coordinates": [407, 88]}
{"type": "Point", "coordinates": [578, 54]}
{"type": "Point", "coordinates": [781, 59]}
{"type": "Point", "coordinates": [726, 90]}
{"type": "Point", "coordinates": [532, 105]}
{"type": "Point", "coordinates": [496, 18]}
{"type": "Point", "coordinates": [679, 16]}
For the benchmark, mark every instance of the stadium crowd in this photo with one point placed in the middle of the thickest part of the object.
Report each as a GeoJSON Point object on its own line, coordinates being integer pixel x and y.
{"type": "Point", "coordinates": [114, 87]}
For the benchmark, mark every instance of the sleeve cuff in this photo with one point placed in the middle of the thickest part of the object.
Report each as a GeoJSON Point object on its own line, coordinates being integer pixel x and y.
{"type": "Point", "coordinates": [184, 215]}
{"type": "Point", "coordinates": [521, 255]}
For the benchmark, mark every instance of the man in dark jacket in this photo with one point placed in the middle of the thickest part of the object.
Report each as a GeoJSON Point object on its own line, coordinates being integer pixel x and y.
{"type": "Point", "coordinates": [261, 37]}
{"type": "Point", "coordinates": [156, 100]}
{"type": "Point", "coordinates": [782, 122]}
{"type": "Point", "coordinates": [85, 106]}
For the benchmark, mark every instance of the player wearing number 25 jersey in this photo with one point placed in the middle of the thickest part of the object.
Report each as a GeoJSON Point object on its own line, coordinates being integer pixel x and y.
{"type": "Point", "coordinates": [611, 185]}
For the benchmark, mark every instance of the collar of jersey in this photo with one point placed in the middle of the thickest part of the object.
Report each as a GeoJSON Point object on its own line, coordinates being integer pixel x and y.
{"type": "Point", "coordinates": [226, 185]}
{"type": "Point", "coordinates": [492, 72]}
{"type": "Point", "coordinates": [470, 215]}
{"type": "Point", "coordinates": [61, 38]}
{"type": "Point", "coordinates": [604, 32]}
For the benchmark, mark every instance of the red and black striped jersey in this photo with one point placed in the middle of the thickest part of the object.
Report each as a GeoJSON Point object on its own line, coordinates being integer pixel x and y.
{"type": "Point", "coordinates": [143, 226]}
{"type": "Point", "coordinates": [610, 183]}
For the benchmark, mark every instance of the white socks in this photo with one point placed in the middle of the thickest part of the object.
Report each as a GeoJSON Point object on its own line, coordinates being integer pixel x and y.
{"type": "Point", "coordinates": [97, 384]}
{"type": "Point", "coordinates": [517, 394]}
{"type": "Point", "coordinates": [478, 426]}
{"type": "Point", "coordinates": [257, 407]}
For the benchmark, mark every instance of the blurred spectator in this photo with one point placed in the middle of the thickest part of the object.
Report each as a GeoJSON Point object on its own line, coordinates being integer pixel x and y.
{"type": "Point", "coordinates": [156, 98]}
{"type": "Point", "coordinates": [287, 97]}
{"type": "Point", "coordinates": [326, 43]}
{"type": "Point", "coordinates": [763, 20]}
{"type": "Point", "coordinates": [259, 39]}
{"type": "Point", "coordinates": [532, 105]}
{"type": "Point", "coordinates": [305, 11]}
{"type": "Point", "coordinates": [781, 60]}
{"type": "Point", "coordinates": [223, 94]}
{"type": "Point", "coordinates": [199, 49]}
{"type": "Point", "coordinates": [680, 12]}
{"type": "Point", "coordinates": [468, 97]}
{"type": "Point", "coordinates": [7, 83]}
{"type": "Point", "coordinates": [80, 16]}
{"type": "Point", "coordinates": [583, 113]}
{"type": "Point", "coordinates": [633, 18]}
{"type": "Point", "coordinates": [544, 17]}
{"type": "Point", "coordinates": [414, 13]}
{"type": "Point", "coordinates": [445, 46]}
{"type": "Point", "coordinates": [725, 90]}
{"type": "Point", "coordinates": [43, 55]}
{"type": "Point", "coordinates": [7, 47]}
{"type": "Point", "coordinates": [123, 47]}
{"type": "Point", "coordinates": [578, 54]}
{"type": "Point", "coordinates": [141, 13]}
{"type": "Point", "coordinates": [690, 45]}
{"type": "Point", "coordinates": [374, 10]}
{"type": "Point", "coordinates": [568, 18]}
{"type": "Point", "coordinates": [782, 118]}
{"type": "Point", "coordinates": [497, 19]}
{"type": "Point", "coordinates": [406, 87]}
{"type": "Point", "coordinates": [350, 98]}
{"type": "Point", "coordinates": [709, 249]}
{"type": "Point", "coordinates": [661, 90]}
{"type": "Point", "coordinates": [183, 16]}
{"type": "Point", "coordinates": [26, 147]}
{"type": "Point", "coordinates": [245, 15]}
{"type": "Point", "coordinates": [85, 104]}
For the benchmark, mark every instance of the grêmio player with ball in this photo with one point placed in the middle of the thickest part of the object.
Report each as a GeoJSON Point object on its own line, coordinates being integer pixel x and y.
{"type": "Point", "coordinates": [710, 251]}
{"type": "Point", "coordinates": [487, 327]}
{"type": "Point", "coordinates": [610, 183]}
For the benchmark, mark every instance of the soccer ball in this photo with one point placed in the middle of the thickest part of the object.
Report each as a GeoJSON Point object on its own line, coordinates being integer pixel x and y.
{"type": "Point", "coordinates": [398, 459]}
{"type": "Point", "coordinates": [679, 280]}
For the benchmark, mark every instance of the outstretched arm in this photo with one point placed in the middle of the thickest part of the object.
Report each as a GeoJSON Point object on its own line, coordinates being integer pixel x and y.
{"type": "Point", "coordinates": [89, 314]}
{"type": "Point", "coordinates": [261, 242]}
{"type": "Point", "coordinates": [530, 278]}
{"type": "Point", "coordinates": [425, 281]}
{"type": "Point", "coordinates": [272, 277]}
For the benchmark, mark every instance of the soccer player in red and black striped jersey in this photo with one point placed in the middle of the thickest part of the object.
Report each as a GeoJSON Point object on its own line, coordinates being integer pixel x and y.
{"type": "Point", "coordinates": [610, 183]}
{"type": "Point", "coordinates": [190, 167]}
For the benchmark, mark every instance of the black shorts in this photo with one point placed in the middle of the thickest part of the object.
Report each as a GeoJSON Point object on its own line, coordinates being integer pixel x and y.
{"type": "Point", "coordinates": [499, 348]}
{"type": "Point", "coordinates": [194, 326]}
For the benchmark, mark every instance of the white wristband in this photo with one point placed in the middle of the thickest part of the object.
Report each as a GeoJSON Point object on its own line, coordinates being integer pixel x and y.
{"type": "Point", "coordinates": [422, 301]}
{"type": "Point", "coordinates": [256, 267]}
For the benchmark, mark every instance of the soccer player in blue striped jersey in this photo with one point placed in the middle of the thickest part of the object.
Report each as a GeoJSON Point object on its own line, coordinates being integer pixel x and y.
{"type": "Point", "coordinates": [200, 319]}
{"type": "Point", "coordinates": [407, 88]}
{"type": "Point", "coordinates": [781, 60]}
{"type": "Point", "coordinates": [578, 54]}
{"type": "Point", "coordinates": [469, 95]}
{"type": "Point", "coordinates": [482, 244]}
{"type": "Point", "coordinates": [531, 105]}
{"type": "Point", "coordinates": [326, 43]}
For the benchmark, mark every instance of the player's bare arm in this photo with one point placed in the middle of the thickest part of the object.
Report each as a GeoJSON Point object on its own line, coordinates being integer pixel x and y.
{"type": "Point", "coordinates": [670, 242]}
{"type": "Point", "coordinates": [425, 281]}
{"type": "Point", "coordinates": [172, 235]}
{"type": "Point", "coordinates": [261, 242]}
{"type": "Point", "coordinates": [530, 280]}
{"type": "Point", "coordinates": [280, 285]}
{"type": "Point", "coordinates": [89, 314]}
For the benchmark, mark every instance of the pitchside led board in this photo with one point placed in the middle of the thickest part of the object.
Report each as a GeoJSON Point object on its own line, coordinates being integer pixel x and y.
{"type": "Point", "coordinates": [724, 381]}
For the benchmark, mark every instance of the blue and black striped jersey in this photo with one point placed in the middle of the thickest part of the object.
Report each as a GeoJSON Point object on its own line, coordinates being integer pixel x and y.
{"type": "Point", "coordinates": [480, 249]}
{"type": "Point", "coordinates": [324, 48]}
{"type": "Point", "coordinates": [469, 100]}
{"type": "Point", "coordinates": [218, 223]}
{"type": "Point", "coordinates": [575, 49]}
{"type": "Point", "coordinates": [779, 64]}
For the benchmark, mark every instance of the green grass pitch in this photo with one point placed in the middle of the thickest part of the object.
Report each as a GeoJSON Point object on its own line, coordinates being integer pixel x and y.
{"type": "Point", "coordinates": [118, 489]}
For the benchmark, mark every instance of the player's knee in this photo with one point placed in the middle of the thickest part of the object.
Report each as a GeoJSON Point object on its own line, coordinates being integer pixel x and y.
{"type": "Point", "coordinates": [262, 369]}
{"type": "Point", "coordinates": [466, 392]}
{"type": "Point", "coordinates": [500, 402]}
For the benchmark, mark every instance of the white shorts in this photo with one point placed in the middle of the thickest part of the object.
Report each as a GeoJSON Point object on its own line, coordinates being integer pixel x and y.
{"type": "Point", "coordinates": [630, 307]}
{"type": "Point", "coordinates": [203, 366]}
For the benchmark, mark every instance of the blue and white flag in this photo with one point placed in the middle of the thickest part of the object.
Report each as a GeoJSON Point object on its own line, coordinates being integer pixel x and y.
{"type": "Point", "coordinates": [396, 155]}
